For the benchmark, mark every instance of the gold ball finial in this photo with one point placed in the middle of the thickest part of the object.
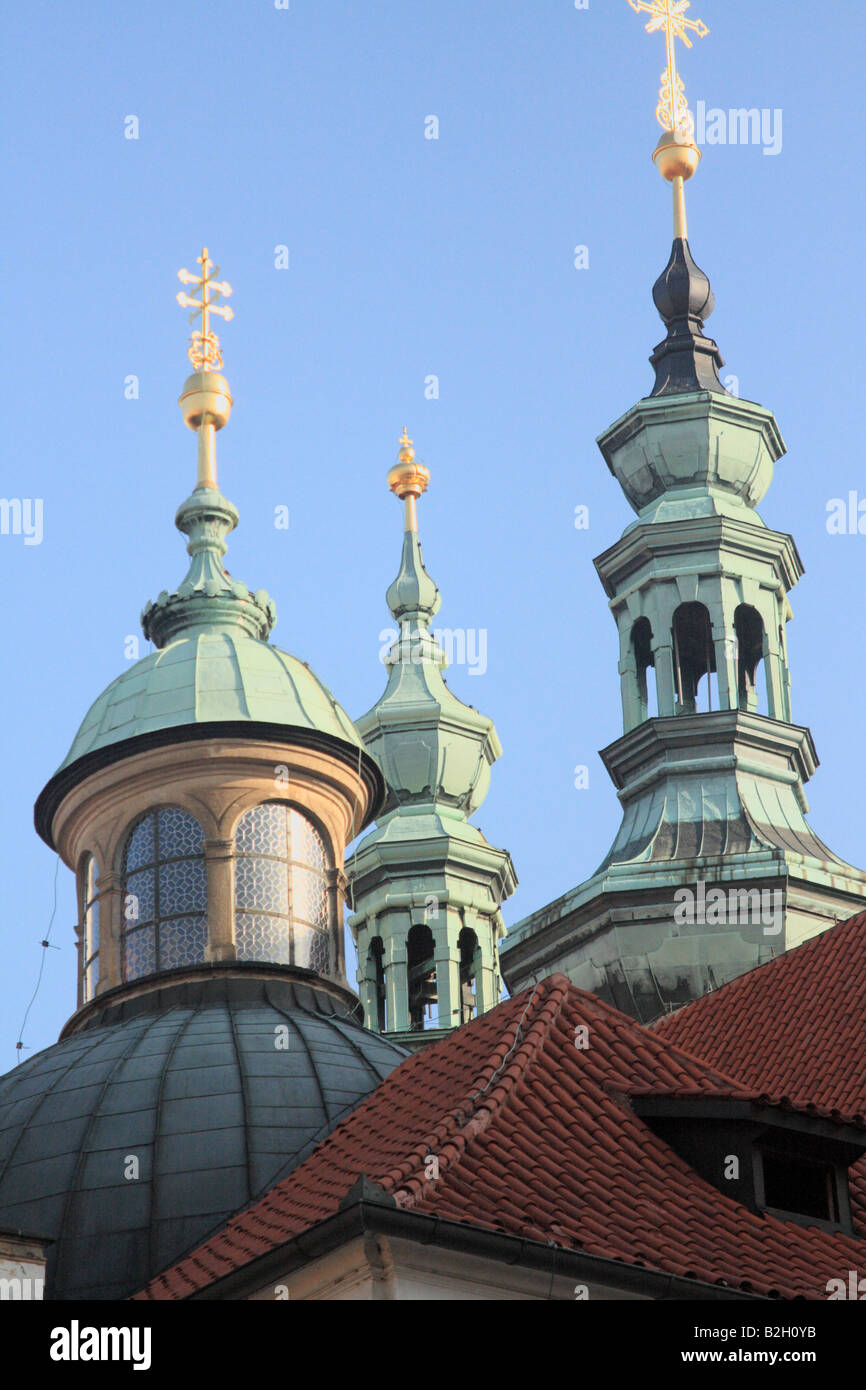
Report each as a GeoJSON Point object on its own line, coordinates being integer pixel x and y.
{"type": "Point", "coordinates": [408, 477]}
{"type": "Point", "coordinates": [676, 156]}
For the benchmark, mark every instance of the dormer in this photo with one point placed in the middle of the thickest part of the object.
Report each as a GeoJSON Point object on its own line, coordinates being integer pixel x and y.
{"type": "Point", "coordinates": [790, 1163]}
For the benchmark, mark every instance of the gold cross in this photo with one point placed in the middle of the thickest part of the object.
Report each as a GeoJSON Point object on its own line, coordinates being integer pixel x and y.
{"type": "Point", "coordinates": [204, 349]}
{"type": "Point", "coordinates": [672, 111]}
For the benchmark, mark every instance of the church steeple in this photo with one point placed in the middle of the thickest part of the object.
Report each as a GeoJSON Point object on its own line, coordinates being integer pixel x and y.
{"type": "Point", "coordinates": [425, 885]}
{"type": "Point", "coordinates": [686, 360]}
{"type": "Point", "coordinates": [711, 768]}
{"type": "Point", "coordinates": [413, 596]}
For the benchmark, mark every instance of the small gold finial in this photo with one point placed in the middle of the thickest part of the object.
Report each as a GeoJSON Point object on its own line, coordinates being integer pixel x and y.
{"type": "Point", "coordinates": [205, 400]}
{"type": "Point", "coordinates": [407, 453]}
{"type": "Point", "coordinates": [672, 112]}
{"type": "Point", "coordinates": [204, 350]}
{"type": "Point", "coordinates": [408, 479]}
{"type": "Point", "coordinates": [676, 156]}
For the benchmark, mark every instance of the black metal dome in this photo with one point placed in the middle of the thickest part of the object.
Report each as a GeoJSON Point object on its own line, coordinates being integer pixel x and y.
{"type": "Point", "coordinates": [189, 1080]}
{"type": "Point", "coordinates": [687, 360]}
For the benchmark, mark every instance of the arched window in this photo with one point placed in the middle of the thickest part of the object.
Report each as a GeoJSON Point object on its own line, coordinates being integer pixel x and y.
{"type": "Point", "coordinates": [281, 889]}
{"type": "Point", "coordinates": [376, 973]}
{"type": "Point", "coordinates": [164, 894]}
{"type": "Point", "coordinates": [421, 975]}
{"type": "Point", "coordinates": [90, 935]}
{"type": "Point", "coordinates": [470, 964]}
{"type": "Point", "coordinates": [694, 655]}
{"type": "Point", "coordinates": [644, 657]}
{"type": "Point", "coordinates": [749, 628]}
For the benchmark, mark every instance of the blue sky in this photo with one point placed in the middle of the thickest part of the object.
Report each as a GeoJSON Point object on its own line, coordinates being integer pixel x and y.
{"type": "Point", "coordinates": [409, 257]}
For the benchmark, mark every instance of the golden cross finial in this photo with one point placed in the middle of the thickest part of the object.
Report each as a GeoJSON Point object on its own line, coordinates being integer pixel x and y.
{"type": "Point", "coordinates": [407, 453]}
{"type": "Point", "coordinates": [204, 349]}
{"type": "Point", "coordinates": [672, 111]}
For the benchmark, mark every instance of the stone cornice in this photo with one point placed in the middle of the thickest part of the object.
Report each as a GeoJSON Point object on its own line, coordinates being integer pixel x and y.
{"type": "Point", "coordinates": [220, 731]}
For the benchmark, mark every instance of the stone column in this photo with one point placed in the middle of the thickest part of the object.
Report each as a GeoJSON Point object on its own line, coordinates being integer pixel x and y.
{"type": "Point", "coordinates": [79, 956]}
{"type": "Point", "coordinates": [394, 960]}
{"type": "Point", "coordinates": [778, 701]}
{"type": "Point", "coordinates": [665, 683]}
{"type": "Point", "coordinates": [447, 958]}
{"type": "Point", "coordinates": [634, 707]}
{"type": "Point", "coordinates": [219, 862]}
{"type": "Point", "coordinates": [336, 881]}
{"type": "Point", "coordinates": [366, 981]}
{"type": "Point", "coordinates": [111, 924]}
{"type": "Point", "coordinates": [485, 980]}
{"type": "Point", "coordinates": [725, 649]}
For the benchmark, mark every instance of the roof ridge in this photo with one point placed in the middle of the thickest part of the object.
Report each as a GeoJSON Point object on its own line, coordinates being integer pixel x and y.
{"type": "Point", "coordinates": [460, 1125]}
{"type": "Point", "coordinates": [528, 1111]}
{"type": "Point", "coordinates": [721, 1080]}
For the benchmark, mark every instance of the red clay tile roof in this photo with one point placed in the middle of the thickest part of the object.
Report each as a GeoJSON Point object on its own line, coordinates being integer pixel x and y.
{"type": "Point", "coordinates": [538, 1139]}
{"type": "Point", "coordinates": [795, 1028]}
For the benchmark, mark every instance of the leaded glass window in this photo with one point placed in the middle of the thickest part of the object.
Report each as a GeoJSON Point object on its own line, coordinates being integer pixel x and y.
{"type": "Point", "coordinates": [164, 894]}
{"type": "Point", "coordinates": [90, 935]}
{"type": "Point", "coordinates": [281, 889]}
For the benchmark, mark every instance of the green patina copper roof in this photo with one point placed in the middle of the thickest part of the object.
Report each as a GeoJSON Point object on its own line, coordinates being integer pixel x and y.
{"type": "Point", "coordinates": [425, 880]}
{"type": "Point", "coordinates": [205, 676]}
{"type": "Point", "coordinates": [213, 662]}
{"type": "Point", "coordinates": [430, 745]}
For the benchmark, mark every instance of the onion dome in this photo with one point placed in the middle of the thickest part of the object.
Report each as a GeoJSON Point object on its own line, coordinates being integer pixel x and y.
{"type": "Point", "coordinates": [687, 360]}
{"type": "Point", "coordinates": [690, 449]}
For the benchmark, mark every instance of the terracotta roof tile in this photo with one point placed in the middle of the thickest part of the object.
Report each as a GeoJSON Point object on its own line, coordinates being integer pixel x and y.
{"type": "Point", "coordinates": [793, 1031]}
{"type": "Point", "coordinates": [538, 1139]}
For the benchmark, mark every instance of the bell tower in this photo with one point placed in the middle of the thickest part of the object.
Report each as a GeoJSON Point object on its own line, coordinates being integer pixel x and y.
{"type": "Point", "coordinates": [425, 885]}
{"type": "Point", "coordinates": [715, 867]}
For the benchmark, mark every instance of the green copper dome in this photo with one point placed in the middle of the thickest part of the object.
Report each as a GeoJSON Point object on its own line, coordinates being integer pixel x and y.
{"type": "Point", "coordinates": [206, 676]}
{"type": "Point", "coordinates": [214, 671]}
{"type": "Point", "coordinates": [213, 663]}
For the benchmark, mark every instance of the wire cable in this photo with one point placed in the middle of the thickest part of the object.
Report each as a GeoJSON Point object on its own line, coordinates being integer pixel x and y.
{"type": "Point", "coordinates": [45, 944]}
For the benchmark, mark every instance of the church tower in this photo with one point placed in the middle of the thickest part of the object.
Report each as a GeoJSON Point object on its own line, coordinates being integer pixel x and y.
{"type": "Point", "coordinates": [204, 807]}
{"type": "Point", "coordinates": [425, 885]}
{"type": "Point", "coordinates": [715, 867]}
